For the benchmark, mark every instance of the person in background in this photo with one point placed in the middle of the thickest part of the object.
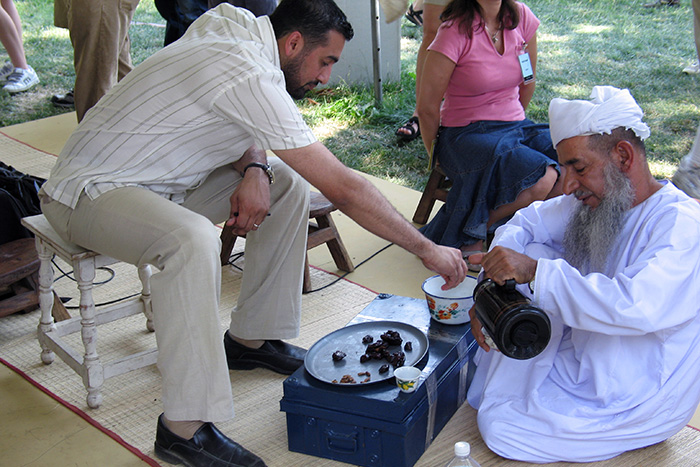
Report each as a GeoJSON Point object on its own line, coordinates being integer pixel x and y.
{"type": "Point", "coordinates": [415, 13]}
{"type": "Point", "coordinates": [179, 145]}
{"type": "Point", "coordinates": [395, 9]}
{"type": "Point", "coordinates": [657, 3]}
{"type": "Point", "coordinates": [99, 32]}
{"type": "Point", "coordinates": [615, 264]}
{"type": "Point", "coordinates": [694, 68]}
{"type": "Point", "coordinates": [431, 11]}
{"type": "Point", "coordinates": [471, 107]}
{"type": "Point", "coordinates": [17, 75]}
{"type": "Point", "coordinates": [179, 14]}
{"type": "Point", "coordinates": [257, 7]}
{"type": "Point", "coordinates": [687, 176]}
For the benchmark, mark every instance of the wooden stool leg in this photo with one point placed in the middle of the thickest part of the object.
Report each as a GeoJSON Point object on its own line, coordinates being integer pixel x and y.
{"type": "Point", "coordinates": [145, 277]}
{"type": "Point", "coordinates": [59, 311]}
{"type": "Point", "coordinates": [46, 299]}
{"type": "Point", "coordinates": [228, 240]}
{"type": "Point", "coordinates": [306, 286]}
{"type": "Point", "coordinates": [338, 251]}
{"type": "Point", "coordinates": [93, 375]}
{"type": "Point", "coordinates": [427, 199]}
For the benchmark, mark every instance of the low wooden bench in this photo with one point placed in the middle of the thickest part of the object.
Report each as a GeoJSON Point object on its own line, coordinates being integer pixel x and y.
{"type": "Point", "coordinates": [322, 230]}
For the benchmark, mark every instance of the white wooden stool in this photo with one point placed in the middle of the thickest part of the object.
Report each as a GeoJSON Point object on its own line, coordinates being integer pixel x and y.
{"type": "Point", "coordinates": [50, 333]}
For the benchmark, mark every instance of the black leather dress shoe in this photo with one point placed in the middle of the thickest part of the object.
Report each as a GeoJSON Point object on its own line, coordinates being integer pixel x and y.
{"type": "Point", "coordinates": [208, 447]}
{"type": "Point", "coordinates": [275, 355]}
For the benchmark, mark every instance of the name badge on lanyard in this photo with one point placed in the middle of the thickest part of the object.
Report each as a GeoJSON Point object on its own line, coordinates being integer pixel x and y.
{"type": "Point", "coordinates": [526, 65]}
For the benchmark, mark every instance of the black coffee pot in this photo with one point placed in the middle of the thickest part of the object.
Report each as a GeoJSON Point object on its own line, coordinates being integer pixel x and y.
{"type": "Point", "coordinates": [519, 329]}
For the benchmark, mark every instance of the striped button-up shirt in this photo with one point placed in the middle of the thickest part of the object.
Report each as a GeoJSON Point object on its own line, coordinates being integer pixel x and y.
{"type": "Point", "coordinates": [190, 108]}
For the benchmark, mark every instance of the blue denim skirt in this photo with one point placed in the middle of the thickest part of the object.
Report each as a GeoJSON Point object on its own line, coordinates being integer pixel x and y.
{"type": "Point", "coordinates": [489, 163]}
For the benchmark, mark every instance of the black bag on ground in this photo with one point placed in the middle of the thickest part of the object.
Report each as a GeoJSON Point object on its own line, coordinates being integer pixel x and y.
{"type": "Point", "coordinates": [18, 198]}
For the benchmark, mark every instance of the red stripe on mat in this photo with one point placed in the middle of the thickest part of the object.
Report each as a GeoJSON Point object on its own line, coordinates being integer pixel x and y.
{"type": "Point", "coordinates": [28, 145]}
{"type": "Point", "coordinates": [83, 415]}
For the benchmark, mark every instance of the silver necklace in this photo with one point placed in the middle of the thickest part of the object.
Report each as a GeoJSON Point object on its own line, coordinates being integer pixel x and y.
{"type": "Point", "coordinates": [494, 36]}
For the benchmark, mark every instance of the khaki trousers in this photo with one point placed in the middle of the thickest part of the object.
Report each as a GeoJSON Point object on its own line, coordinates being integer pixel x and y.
{"type": "Point", "coordinates": [99, 32]}
{"type": "Point", "coordinates": [137, 226]}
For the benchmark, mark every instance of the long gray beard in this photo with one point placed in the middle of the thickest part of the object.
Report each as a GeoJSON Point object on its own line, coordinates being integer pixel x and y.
{"type": "Point", "coordinates": [590, 232]}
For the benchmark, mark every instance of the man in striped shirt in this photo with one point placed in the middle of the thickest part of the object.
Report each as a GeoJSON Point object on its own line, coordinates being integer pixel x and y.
{"type": "Point", "coordinates": [179, 145]}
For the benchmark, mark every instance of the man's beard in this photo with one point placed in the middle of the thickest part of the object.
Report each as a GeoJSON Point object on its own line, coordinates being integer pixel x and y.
{"type": "Point", "coordinates": [591, 232]}
{"type": "Point", "coordinates": [291, 78]}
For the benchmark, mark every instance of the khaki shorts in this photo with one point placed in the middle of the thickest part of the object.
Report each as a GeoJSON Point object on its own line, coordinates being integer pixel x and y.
{"type": "Point", "coordinates": [437, 2]}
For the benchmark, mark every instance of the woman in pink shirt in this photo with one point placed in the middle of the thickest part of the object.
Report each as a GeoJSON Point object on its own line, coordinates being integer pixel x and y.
{"type": "Point", "coordinates": [471, 107]}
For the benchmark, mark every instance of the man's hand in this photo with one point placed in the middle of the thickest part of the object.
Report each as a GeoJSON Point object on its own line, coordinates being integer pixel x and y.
{"type": "Point", "coordinates": [501, 264]}
{"type": "Point", "coordinates": [476, 329]}
{"type": "Point", "coordinates": [250, 201]}
{"type": "Point", "coordinates": [448, 263]}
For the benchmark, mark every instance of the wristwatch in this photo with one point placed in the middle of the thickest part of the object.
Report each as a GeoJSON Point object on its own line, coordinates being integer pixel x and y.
{"type": "Point", "coordinates": [265, 167]}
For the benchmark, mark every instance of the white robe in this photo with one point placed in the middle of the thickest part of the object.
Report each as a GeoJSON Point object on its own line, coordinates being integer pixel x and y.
{"type": "Point", "coordinates": [622, 368]}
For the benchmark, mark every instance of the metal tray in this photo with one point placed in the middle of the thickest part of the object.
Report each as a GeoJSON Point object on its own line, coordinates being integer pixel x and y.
{"type": "Point", "coordinates": [319, 362]}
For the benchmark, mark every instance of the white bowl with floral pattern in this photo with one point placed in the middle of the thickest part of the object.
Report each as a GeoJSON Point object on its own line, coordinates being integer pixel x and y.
{"type": "Point", "coordinates": [449, 306]}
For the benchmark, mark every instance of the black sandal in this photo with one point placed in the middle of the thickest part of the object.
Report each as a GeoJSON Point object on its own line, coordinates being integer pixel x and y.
{"type": "Point", "coordinates": [415, 17]}
{"type": "Point", "coordinates": [413, 132]}
{"type": "Point", "coordinates": [65, 101]}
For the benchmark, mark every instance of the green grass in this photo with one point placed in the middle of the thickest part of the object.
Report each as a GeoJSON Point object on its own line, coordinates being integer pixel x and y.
{"type": "Point", "coordinates": [49, 51]}
{"type": "Point", "coordinates": [581, 43]}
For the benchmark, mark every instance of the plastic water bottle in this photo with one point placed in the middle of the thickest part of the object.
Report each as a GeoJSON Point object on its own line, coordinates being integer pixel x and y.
{"type": "Point", "coordinates": [462, 457]}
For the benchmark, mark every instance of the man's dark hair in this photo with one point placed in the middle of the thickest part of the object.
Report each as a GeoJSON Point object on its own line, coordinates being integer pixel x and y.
{"type": "Point", "coordinates": [605, 143]}
{"type": "Point", "coordinates": [314, 19]}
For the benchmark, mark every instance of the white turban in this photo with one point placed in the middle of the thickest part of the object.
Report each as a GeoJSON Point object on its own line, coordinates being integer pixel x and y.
{"type": "Point", "coordinates": [609, 108]}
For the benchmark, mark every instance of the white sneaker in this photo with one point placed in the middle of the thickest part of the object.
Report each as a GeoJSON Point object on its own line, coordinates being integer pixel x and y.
{"type": "Point", "coordinates": [20, 80]}
{"type": "Point", "coordinates": [6, 70]}
{"type": "Point", "coordinates": [693, 69]}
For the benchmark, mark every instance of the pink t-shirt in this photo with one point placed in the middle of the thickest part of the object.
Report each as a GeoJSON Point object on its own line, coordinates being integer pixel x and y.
{"type": "Point", "coordinates": [484, 84]}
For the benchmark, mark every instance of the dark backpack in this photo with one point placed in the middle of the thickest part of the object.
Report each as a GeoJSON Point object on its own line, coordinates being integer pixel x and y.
{"type": "Point", "coordinates": [18, 198]}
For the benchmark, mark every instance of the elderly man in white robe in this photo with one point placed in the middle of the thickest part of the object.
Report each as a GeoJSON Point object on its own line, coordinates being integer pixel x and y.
{"type": "Point", "coordinates": [615, 264]}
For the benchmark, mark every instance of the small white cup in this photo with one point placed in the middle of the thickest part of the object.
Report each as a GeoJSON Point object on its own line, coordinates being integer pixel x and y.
{"type": "Point", "coordinates": [407, 378]}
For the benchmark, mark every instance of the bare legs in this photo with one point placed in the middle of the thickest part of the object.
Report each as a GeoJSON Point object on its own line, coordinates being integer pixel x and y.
{"type": "Point", "coordinates": [431, 23]}
{"type": "Point", "coordinates": [11, 34]}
